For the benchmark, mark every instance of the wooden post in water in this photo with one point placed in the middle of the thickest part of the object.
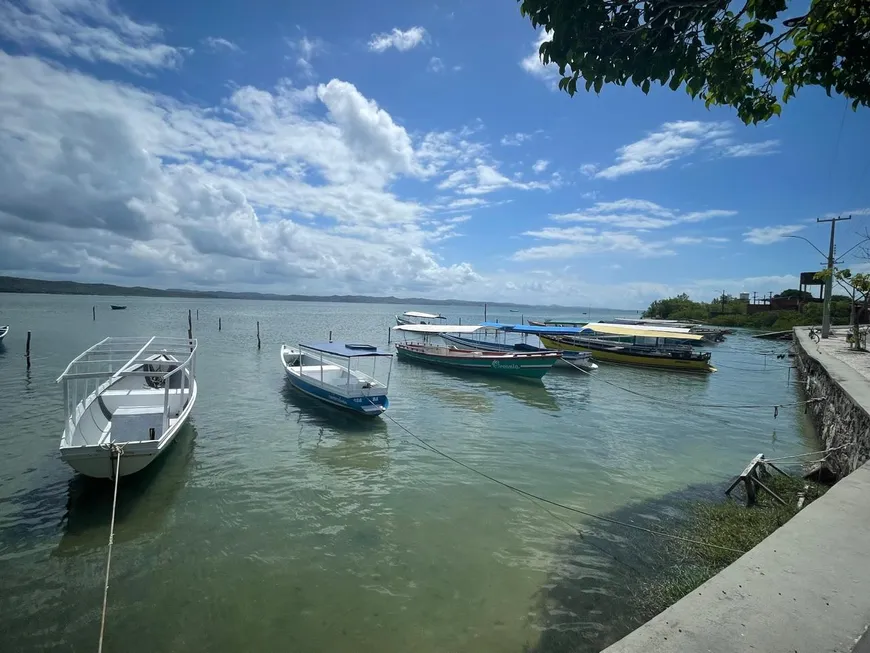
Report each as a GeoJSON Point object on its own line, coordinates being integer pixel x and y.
{"type": "Point", "coordinates": [258, 335]}
{"type": "Point", "coordinates": [330, 336]}
{"type": "Point", "coordinates": [219, 324]}
{"type": "Point", "coordinates": [27, 350]}
{"type": "Point", "coordinates": [94, 312]}
{"type": "Point", "coordinates": [484, 312]}
{"type": "Point", "coordinates": [189, 326]}
{"type": "Point", "coordinates": [197, 315]}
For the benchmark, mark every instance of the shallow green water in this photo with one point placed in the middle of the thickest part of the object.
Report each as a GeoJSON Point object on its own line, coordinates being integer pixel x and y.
{"type": "Point", "coordinates": [274, 524]}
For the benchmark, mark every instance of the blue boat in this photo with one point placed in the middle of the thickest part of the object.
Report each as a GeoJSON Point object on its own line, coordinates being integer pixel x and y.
{"type": "Point", "coordinates": [345, 375]}
{"type": "Point", "coordinates": [574, 359]}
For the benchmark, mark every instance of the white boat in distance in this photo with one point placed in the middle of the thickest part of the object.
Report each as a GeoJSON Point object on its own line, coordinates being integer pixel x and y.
{"type": "Point", "coordinates": [416, 317]}
{"type": "Point", "coordinates": [3, 331]}
{"type": "Point", "coordinates": [131, 395]}
{"type": "Point", "coordinates": [325, 371]}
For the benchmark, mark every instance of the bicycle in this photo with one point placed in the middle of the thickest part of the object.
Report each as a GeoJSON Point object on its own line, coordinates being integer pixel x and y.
{"type": "Point", "coordinates": [814, 335]}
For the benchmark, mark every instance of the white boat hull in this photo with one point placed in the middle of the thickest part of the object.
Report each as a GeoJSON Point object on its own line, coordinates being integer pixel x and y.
{"type": "Point", "coordinates": [135, 412]}
{"type": "Point", "coordinates": [3, 331]}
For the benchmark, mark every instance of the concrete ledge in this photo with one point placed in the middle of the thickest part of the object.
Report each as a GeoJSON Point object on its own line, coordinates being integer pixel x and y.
{"type": "Point", "coordinates": [851, 382]}
{"type": "Point", "coordinates": [804, 589]}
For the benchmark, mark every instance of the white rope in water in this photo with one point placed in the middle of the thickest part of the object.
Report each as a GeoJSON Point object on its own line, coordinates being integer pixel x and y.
{"type": "Point", "coordinates": [827, 452]}
{"type": "Point", "coordinates": [119, 450]}
{"type": "Point", "coordinates": [689, 403]}
{"type": "Point", "coordinates": [531, 495]}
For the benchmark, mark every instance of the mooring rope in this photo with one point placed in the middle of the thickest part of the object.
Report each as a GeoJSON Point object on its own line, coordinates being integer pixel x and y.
{"type": "Point", "coordinates": [827, 452]}
{"type": "Point", "coordinates": [689, 403]}
{"type": "Point", "coordinates": [532, 495]}
{"type": "Point", "coordinates": [119, 450]}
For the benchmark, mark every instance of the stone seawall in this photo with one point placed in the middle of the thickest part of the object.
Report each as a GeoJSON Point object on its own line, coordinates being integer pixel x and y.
{"type": "Point", "coordinates": [841, 420]}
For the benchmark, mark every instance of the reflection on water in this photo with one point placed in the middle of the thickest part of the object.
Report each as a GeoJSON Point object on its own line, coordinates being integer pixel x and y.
{"type": "Point", "coordinates": [143, 499]}
{"type": "Point", "coordinates": [531, 392]}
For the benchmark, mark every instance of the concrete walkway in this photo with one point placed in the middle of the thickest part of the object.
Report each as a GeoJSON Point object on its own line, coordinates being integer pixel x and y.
{"type": "Point", "coordinates": [805, 589]}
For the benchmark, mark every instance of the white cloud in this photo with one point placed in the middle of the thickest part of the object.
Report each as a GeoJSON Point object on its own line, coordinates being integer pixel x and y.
{"type": "Point", "coordinates": [678, 140]}
{"type": "Point", "coordinates": [588, 169]}
{"type": "Point", "coordinates": [584, 241]}
{"type": "Point", "coordinates": [762, 148]}
{"type": "Point", "coordinates": [697, 240]}
{"type": "Point", "coordinates": [217, 44]}
{"type": "Point", "coordinates": [634, 214]}
{"type": "Point", "coordinates": [515, 139]}
{"type": "Point", "coordinates": [100, 180]}
{"type": "Point", "coordinates": [399, 39]}
{"type": "Point", "coordinates": [540, 165]}
{"type": "Point", "coordinates": [864, 211]}
{"type": "Point", "coordinates": [483, 179]}
{"type": "Point", "coordinates": [435, 65]}
{"type": "Point", "coordinates": [88, 29]}
{"type": "Point", "coordinates": [768, 235]}
{"type": "Point", "coordinates": [305, 50]}
{"type": "Point", "coordinates": [532, 63]}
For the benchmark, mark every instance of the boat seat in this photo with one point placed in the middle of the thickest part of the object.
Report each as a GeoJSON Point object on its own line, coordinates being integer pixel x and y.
{"type": "Point", "coordinates": [311, 370]}
{"type": "Point", "coordinates": [137, 423]}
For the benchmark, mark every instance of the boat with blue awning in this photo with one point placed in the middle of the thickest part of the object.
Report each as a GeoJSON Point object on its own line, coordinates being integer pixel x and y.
{"type": "Point", "coordinates": [529, 365]}
{"type": "Point", "coordinates": [351, 376]}
{"type": "Point", "coordinates": [473, 340]}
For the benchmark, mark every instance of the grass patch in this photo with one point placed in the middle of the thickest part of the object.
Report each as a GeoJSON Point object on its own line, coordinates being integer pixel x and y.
{"type": "Point", "coordinates": [727, 524]}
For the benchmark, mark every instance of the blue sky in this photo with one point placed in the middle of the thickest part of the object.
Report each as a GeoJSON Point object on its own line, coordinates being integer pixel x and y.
{"type": "Point", "coordinates": [391, 148]}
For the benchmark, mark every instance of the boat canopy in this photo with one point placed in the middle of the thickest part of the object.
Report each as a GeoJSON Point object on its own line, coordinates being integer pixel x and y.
{"type": "Point", "coordinates": [346, 349]}
{"type": "Point", "coordinates": [425, 316]}
{"type": "Point", "coordinates": [533, 330]}
{"type": "Point", "coordinates": [439, 328]}
{"type": "Point", "coordinates": [639, 331]}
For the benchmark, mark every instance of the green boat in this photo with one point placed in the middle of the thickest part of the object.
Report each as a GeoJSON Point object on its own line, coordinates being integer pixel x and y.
{"type": "Point", "coordinates": [513, 364]}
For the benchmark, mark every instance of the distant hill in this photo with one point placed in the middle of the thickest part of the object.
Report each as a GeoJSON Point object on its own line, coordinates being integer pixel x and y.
{"type": "Point", "coordinates": [39, 286]}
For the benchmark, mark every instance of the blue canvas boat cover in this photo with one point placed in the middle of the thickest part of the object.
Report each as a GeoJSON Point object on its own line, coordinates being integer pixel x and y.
{"type": "Point", "coordinates": [347, 349]}
{"type": "Point", "coordinates": [534, 330]}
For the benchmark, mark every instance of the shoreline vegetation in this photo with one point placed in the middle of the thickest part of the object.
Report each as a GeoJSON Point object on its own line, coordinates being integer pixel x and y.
{"type": "Point", "coordinates": [40, 286]}
{"type": "Point", "coordinates": [729, 311]}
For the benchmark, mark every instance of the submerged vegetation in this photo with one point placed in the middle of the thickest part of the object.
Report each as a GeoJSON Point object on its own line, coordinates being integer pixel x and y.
{"type": "Point", "coordinates": [729, 311]}
{"type": "Point", "coordinates": [608, 580]}
{"type": "Point", "coordinates": [727, 524]}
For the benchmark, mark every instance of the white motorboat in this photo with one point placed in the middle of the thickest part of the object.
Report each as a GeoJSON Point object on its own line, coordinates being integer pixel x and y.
{"type": "Point", "coordinates": [3, 331]}
{"type": "Point", "coordinates": [331, 372]}
{"type": "Point", "coordinates": [416, 317]}
{"type": "Point", "coordinates": [127, 397]}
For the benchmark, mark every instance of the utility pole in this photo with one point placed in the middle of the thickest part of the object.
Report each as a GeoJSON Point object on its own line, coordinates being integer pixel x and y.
{"type": "Point", "coordinates": [829, 281]}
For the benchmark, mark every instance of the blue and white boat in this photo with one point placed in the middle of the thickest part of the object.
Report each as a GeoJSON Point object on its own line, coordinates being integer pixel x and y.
{"type": "Point", "coordinates": [467, 340]}
{"type": "Point", "coordinates": [347, 375]}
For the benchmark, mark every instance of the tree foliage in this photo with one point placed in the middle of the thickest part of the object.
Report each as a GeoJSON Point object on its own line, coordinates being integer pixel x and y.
{"type": "Point", "coordinates": [750, 54]}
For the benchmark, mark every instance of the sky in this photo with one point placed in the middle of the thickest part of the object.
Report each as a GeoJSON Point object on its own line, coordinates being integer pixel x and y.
{"type": "Point", "coordinates": [393, 148]}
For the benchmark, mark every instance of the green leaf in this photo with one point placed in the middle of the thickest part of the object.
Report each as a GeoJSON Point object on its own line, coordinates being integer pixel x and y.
{"type": "Point", "coordinates": [598, 84]}
{"type": "Point", "coordinates": [776, 109]}
{"type": "Point", "coordinates": [645, 86]}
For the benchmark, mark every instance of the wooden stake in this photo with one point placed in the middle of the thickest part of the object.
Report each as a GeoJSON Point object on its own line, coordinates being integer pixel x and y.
{"type": "Point", "coordinates": [258, 335]}
{"type": "Point", "coordinates": [330, 336]}
{"type": "Point", "coordinates": [219, 324]}
{"type": "Point", "coordinates": [94, 312]}
{"type": "Point", "coordinates": [27, 350]}
{"type": "Point", "coordinates": [197, 315]}
{"type": "Point", "coordinates": [189, 326]}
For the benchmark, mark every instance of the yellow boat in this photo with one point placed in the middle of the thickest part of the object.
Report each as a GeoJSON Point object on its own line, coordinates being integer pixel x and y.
{"type": "Point", "coordinates": [593, 338]}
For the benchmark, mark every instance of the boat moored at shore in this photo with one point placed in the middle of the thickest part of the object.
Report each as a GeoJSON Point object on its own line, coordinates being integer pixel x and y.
{"type": "Point", "coordinates": [127, 398]}
{"type": "Point", "coordinates": [648, 347]}
{"type": "Point", "coordinates": [529, 365]}
{"type": "Point", "coordinates": [332, 373]}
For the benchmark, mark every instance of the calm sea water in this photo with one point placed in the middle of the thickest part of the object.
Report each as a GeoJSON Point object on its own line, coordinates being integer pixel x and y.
{"type": "Point", "coordinates": [275, 524]}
